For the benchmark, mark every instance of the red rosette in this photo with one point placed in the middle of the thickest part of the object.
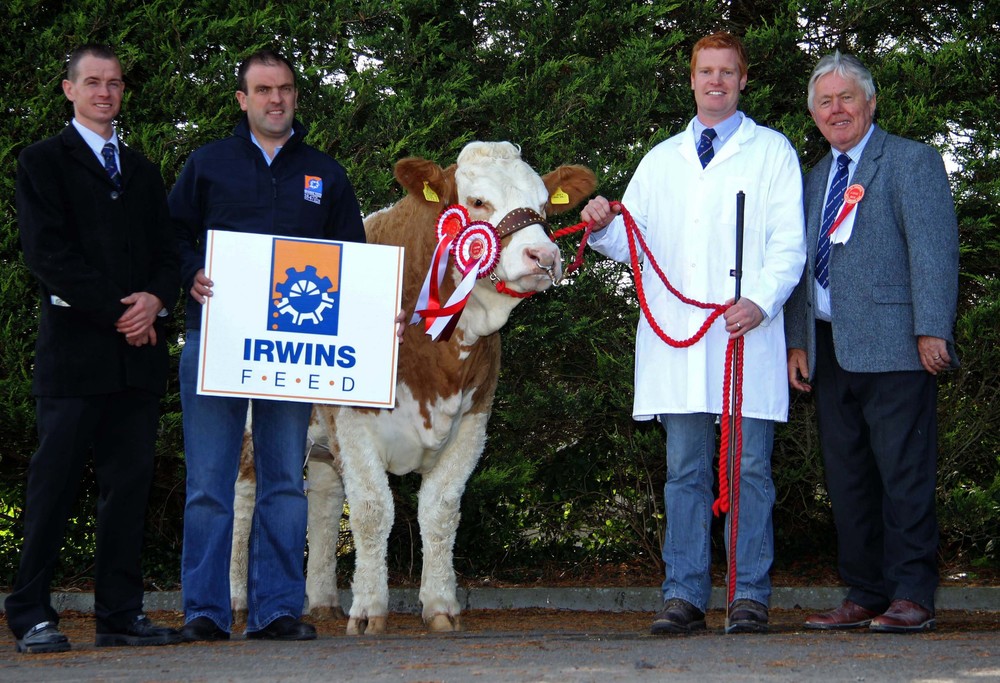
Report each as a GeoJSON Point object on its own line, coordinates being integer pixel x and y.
{"type": "Point", "coordinates": [452, 221]}
{"type": "Point", "coordinates": [853, 194]}
{"type": "Point", "coordinates": [479, 243]}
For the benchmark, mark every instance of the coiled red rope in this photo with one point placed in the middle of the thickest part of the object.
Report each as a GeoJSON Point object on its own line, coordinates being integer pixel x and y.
{"type": "Point", "coordinates": [732, 386]}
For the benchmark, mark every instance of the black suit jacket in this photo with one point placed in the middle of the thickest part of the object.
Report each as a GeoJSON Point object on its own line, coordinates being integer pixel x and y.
{"type": "Point", "coordinates": [89, 246]}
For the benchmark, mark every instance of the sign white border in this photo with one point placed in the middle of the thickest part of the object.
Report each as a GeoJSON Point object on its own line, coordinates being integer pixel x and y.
{"type": "Point", "coordinates": [241, 357]}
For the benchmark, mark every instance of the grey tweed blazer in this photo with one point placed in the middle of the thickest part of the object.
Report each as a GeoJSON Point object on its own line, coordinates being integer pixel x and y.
{"type": "Point", "coordinates": [896, 278]}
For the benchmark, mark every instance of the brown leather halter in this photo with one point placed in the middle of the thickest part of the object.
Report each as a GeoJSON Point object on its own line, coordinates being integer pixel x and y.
{"type": "Point", "coordinates": [518, 219]}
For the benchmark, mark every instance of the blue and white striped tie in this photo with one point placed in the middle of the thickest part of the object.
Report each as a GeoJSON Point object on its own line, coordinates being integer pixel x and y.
{"type": "Point", "coordinates": [705, 150]}
{"type": "Point", "coordinates": [834, 200]}
{"type": "Point", "coordinates": [108, 152]}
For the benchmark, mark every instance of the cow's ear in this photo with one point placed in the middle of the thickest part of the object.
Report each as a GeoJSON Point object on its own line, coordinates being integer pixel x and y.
{"type": "Point", "coordinates": [449, 188]}
{"type": "Point", "coordinates": [425, 179]}
{"type": "Point", "coordinates": [568, 186]}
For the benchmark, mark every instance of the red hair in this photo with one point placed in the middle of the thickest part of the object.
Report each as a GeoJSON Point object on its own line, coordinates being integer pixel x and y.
{"type": "Point", "coordinates": [721, 41]}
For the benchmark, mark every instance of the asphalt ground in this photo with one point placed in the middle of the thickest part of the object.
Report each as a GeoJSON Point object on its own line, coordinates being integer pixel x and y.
{"type": "Point", "coordinates": [537, 645]}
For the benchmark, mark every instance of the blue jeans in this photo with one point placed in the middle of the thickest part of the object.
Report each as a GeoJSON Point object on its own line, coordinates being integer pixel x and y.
{"type": "Point", "coordinates": [213, 434]}
{"type": "Point", "coordinates": [687, 547]}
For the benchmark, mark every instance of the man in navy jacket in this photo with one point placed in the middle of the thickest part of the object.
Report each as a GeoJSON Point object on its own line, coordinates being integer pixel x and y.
{"type": "Point", "coordinates": [96, 234]}
{"type": "Point", "coordinates": [252, 181]}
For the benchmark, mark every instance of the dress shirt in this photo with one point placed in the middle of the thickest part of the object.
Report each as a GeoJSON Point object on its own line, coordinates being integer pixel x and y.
{"type": "Point", "coordinates": [723, 130]}
{"type": "Point", "coordinates": [254, 140]}
{"type": "Point", "coordinates": [96, 143]}
{"type": "Point", "coordinates": [822, 294]}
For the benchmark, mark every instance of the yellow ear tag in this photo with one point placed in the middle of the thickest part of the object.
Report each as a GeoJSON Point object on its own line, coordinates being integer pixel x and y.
{"type": "Point", "coordinates": [559, 197]}
{"type": "Point", "coordinates": [429, 194]}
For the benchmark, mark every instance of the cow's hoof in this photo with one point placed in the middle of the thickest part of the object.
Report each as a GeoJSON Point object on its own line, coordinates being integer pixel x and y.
{"type": "Point", "coordinates": [445, 623]}
{"type": "Point", "coordinates": [327, 613]}
{"type": "Point", "coordinates": [359, 626]}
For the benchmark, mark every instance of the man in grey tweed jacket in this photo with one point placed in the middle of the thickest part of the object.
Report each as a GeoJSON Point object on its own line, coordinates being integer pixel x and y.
{"type": "Point", "coordinates": [869, 326]}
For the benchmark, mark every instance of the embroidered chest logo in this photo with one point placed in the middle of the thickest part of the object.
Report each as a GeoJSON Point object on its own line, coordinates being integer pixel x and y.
{"type": "Point", "coordinates": [314, 189]}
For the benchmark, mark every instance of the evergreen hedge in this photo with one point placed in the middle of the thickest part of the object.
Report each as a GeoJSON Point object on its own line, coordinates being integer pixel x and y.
{"type": "Point", "coordinates": [568, 481]}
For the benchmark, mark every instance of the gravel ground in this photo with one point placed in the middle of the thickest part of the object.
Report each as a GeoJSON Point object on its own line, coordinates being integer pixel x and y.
{"type": "Point", "coordinates": [537, 645]}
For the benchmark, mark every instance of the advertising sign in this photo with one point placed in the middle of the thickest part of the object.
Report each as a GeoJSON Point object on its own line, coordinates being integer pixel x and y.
{"type": "Point", "coordinates": [300, 320]}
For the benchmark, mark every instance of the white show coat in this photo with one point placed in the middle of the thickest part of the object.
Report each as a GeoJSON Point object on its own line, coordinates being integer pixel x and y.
{"type": "Point", "coordinates": [687, 216]}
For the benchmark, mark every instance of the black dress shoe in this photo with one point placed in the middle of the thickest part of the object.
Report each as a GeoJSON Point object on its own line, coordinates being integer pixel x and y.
{"type": "Point", "coordinates": [202, 628]}
{"type": "Point", "coordinates": [747, 616]}
{"type": "Point", "coordinates": [678, 616]}
{"type": "Point", "coordinates": [140, 632]}
{"type": "Point", "coordinates": [285, 628]}
{"type": "Point", "coordinates": [42, 638]}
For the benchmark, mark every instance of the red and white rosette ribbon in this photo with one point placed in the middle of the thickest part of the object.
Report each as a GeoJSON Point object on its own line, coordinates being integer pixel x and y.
{"type": "Point", "coordinates": [451, 222]}
{"type": "Point", "coordinates": [852, 196]}
{"type": "Point", "coordinates": [476, 248]}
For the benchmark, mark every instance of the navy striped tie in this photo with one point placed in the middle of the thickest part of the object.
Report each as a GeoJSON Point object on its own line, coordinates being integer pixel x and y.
{"type": "Point", "coordinates": [705, 151]}
{"type": "Point", "coordinates": [834, 200]}
{"type": "Point", "coordinates": [108, 152]}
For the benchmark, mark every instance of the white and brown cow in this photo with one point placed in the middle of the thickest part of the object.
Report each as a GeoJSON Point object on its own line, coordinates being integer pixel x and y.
{"type": "Point", "coordinates": [444, 388]}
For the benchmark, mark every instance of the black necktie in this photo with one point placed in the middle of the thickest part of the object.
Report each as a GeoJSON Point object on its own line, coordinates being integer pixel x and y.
{"type": "Point", "coordinates": [834, 200]}
{"type": "Point", "coordinates": [705, 151]}
{"type": "Point", "coordinates": [110, 166]}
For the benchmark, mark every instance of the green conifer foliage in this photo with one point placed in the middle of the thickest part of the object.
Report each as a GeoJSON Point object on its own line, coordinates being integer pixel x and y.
{"type": "Point", "coordinates": [568, 481]}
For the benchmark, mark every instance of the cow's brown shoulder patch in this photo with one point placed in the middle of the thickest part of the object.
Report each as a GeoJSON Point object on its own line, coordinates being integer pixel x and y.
{"type": "Point", "coordinates": [434, 370]}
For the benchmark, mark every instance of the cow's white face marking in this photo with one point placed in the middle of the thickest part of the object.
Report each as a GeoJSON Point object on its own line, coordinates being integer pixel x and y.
{"type": "Point", "coordinates": [491, 181]}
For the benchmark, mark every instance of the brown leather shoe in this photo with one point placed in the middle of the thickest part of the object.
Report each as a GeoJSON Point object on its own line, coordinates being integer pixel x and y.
{"type": "Point", "coordinates": [903, 616]}
{"type": "Point", "coordinates": [848, 615]}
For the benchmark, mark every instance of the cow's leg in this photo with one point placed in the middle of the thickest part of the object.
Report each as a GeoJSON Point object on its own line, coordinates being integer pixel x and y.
{"type": "Point", "coordinates": [244, 495]}
{"type": "Point", "coordinates": [438, 512]}
{"type": "Point", "coordinates": [370, 499]}
{"type": "Point", "coordinates": [325, 492]}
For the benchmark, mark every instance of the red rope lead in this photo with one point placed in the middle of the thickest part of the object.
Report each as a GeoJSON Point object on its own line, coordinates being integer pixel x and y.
{"type": "Point", "coordinates": [502, 288]}
{"type": "Point", "coordinates": [632, 231]}
{"type": "Point", "coordinates": [731, 426]}
{"type": "Point", "coordinates": [578, 261]}
{"type": "Point", "coordinates": [735, 346]}
{"type": "Point", "coordinates": [730, 383]}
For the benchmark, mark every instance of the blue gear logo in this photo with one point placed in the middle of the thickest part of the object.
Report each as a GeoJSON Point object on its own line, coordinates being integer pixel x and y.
{"type": "Point", "coordinates": [306, 303]}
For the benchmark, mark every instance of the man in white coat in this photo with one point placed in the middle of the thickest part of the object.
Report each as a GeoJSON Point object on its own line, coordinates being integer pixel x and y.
{"type": "Point", "coordinates": [683, 200]}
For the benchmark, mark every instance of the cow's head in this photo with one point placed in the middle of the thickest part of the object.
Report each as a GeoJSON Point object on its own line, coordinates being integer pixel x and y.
{"type": "Point", "coordinates": [491, 181]}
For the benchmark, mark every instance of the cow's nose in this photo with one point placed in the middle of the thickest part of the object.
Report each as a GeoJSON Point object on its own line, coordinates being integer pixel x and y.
{"type": "Point", "coordinates": [545, 257]}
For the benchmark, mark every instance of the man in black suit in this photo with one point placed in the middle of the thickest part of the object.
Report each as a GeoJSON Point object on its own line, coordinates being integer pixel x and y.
{"type": "Point", "coordinates": [96, 233]}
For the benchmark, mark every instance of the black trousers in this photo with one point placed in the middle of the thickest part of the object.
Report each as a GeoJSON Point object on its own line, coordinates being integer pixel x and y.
{"type": "Point", "coordinates": [878, 433]}
{"type": "Point", "coordinates": [119, 430]}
